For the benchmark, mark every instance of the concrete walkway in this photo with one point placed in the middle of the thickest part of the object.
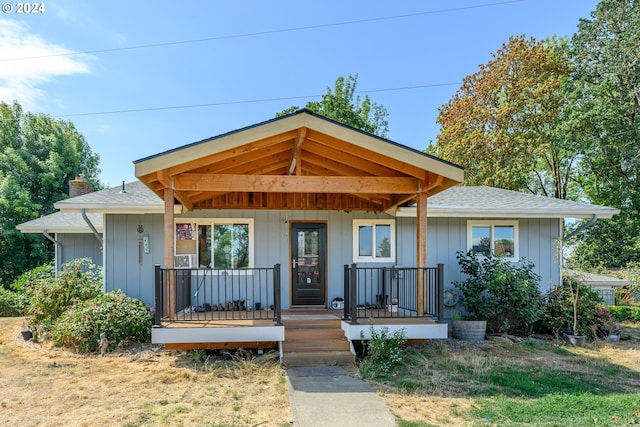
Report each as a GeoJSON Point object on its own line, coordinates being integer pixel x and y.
{"type": "Point", "coordinates": [327, 396]}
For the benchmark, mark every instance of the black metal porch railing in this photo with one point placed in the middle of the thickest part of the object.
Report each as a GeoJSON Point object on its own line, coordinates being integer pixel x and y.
{"type": "Point", "coordinates": [197, 294]}
{"type": "Point", "coordinates": [383, 292]}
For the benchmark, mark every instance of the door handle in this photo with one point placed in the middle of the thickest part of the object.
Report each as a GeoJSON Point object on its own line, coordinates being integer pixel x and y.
{"type": "Point", "coordinates": [293, 263]}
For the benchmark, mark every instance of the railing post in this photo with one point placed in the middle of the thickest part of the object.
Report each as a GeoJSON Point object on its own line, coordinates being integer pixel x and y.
{"type": "Point", "coordinates": [353, 294]}
{"type": "Point", "coordinates": [158, 296]}
{"type": "Point", "coordinates": [345, 292]}
{"type": "Point", "coordinates": [277, 297]}
{"type": "Point", "coordinates": [440, 292]}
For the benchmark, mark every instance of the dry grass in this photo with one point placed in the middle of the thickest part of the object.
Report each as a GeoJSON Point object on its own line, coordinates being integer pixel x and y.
{"type": "Point", "coordinates": [45, 386]}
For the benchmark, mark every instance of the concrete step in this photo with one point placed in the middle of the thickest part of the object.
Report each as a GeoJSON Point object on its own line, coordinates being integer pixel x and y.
{"type": "Point", "coordinates": [318, 358]}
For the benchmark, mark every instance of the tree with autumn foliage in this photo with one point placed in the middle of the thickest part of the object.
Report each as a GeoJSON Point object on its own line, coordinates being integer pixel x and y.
{"type": "Point", "coordinates": [500, 123]}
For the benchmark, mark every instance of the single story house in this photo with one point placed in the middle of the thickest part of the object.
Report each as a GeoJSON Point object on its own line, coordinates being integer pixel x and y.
{"type": "Point", "coordinates": [301, 212]}
{"type": "Point", "coordinates": [604, 285]}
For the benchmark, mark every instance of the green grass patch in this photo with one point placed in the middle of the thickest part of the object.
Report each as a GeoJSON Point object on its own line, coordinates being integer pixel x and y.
{"type": "Point", "coordinates": [534, 383]}
{"type": "Point", "coordinates": [560, 409]}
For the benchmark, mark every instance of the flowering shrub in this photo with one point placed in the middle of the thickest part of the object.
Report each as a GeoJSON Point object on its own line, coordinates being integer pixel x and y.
{"type": "Point", "coordinates": [605, 323]}
{"type": "Point", "coordinates": [123, 319]}
{"type": "Point", "coordinates": [385, 352]}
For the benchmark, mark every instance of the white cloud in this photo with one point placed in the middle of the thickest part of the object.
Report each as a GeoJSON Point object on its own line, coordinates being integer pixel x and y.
{"type": "Point", "coordinates": [23, 79]}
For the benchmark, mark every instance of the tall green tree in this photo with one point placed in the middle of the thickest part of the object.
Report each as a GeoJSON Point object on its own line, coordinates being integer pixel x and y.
{"type": "Point", "coordinates": [607, 60]}
{"type": "Point", "coordinates": [38, 157]}
{"type": "Point", "coordinates": [500, 123]}
{"type": "Point", "coordinates": [343, 105]}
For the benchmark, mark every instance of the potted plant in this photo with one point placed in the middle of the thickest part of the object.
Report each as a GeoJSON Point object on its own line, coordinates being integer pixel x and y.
{"type": "Point", "coordinates": [497, 295]}
{"type": "Point", "coordinates": [608, 327]}
{"type": "Point", "coordinates": [472, 326]}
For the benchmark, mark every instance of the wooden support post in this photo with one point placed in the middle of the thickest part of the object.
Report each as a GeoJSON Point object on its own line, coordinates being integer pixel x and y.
{"type": "Point", "coordinates": [169, 231]}
{"type": "Point", "coordinates": [421, 249]}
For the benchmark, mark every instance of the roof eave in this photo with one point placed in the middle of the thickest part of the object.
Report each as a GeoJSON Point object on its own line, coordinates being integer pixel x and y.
{"type": "Point", "coordinates": [111, 209]}
{"type": "Point", "coordinates": [410, 211]}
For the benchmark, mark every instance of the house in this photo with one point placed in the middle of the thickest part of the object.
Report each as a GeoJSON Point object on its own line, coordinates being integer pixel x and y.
{"type": "Point", "coordinates": [604, 285]}
{"type": "Point", "coordinates": [303, 212]}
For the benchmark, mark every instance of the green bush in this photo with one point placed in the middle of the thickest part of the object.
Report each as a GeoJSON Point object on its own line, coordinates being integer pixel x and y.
{"type": "Point", "coordinates": [27, 279]}
{"type": "Point", "coordinates": [123, 319]}
{"type": "Point", "coordinates": [12, 304]}
{"type": "Point", "coordinates": [79, 280]}
{"type": "Point", "coordinates": [503, 293]}
{"type": "Point", "coordinates": [623, 313]}
{"type": "Point", "coordinates": [557, 317]}
{"type": "Point", "coordinates": [384, 352]}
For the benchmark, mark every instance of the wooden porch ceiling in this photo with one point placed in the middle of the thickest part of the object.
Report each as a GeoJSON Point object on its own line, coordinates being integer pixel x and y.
{"type": "Point", "coordinates": [299, 169]}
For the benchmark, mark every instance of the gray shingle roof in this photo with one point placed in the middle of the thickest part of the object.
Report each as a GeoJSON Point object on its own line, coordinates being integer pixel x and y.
{"type": "Point", "coordinates": [137, 198]}
{"type": "Point", "coordinates": [592, 279]}
{"type": "Point", "coordinates": [489, 202]}
{"type": "Point", "coordinates": [470, 202]}
{"type": "Point", "coordinates": [62, 222]}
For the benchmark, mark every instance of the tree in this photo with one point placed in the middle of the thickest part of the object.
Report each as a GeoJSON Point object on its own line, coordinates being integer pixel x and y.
{"type": "Point", "coordinates": [607, 61]}
{"type": "Point", "coordinates": [38, 157]}
{"type": "Point", "coordinates": [344, 106]}
{"type": "Point", "coordinates": [499, 124]}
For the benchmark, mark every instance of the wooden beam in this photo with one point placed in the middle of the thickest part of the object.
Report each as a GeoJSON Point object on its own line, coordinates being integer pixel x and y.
{"type": "Point", "coordinates": [421, 247]}
{"type": "Point", "coordinates": [296, 184]}
{"type": "Point", "coordinates": [296, 154]}
{"type": "Point", "coordinates": [258, 145]}
{"type": "Point", "coordinates": [169, 230]}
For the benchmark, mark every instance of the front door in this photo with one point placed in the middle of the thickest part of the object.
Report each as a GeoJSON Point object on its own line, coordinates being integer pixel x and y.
{"type": "Point", "coordinates": [308, 264]}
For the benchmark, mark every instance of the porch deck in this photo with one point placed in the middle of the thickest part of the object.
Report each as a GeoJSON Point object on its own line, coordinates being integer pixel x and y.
{"type": "Point", "coordinates": [190, 313]}
{"type": "Point", "coordinates": [210, 330]}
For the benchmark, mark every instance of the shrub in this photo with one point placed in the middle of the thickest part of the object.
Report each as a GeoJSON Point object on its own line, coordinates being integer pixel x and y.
{"type": "Point", "coordinates": [384, 352]}
{"type": "Point", "coordinates": [27, 279]}
{"type": "Point", "coordinates": [12, 304]}
{"type": "Point", "coordinates": [123, 319]}
{"type": "Point", "coordinates": [623, 313]}
{"type": "Point", "coordinates": [504, 294]}
{"type": "Point", "coordinates": [557, 317]}
{"type": "Point", "coordinates": [79, 280]}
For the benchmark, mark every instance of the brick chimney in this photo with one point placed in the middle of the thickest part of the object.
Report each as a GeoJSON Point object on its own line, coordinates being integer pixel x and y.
{"type": "Point", "coordinates": [79, 186]}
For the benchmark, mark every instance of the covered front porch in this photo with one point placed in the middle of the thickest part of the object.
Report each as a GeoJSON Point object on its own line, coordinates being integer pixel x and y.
{"type": "Point", "coordinates": [314, 200]}
{"type": "Point", "coordinates": [241, 308]}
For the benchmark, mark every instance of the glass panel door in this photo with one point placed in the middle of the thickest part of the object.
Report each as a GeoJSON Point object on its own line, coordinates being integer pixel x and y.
{"type": "Point", "coordinates": [308, 267]}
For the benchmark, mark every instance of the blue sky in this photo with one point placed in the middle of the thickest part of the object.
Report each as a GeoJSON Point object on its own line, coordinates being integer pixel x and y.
{"type": "Point", "coordinates": [234, 55]}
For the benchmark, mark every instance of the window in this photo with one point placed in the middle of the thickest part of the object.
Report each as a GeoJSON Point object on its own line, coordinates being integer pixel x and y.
{"type": "Point", "coordinates": [497, 237]}
{"type": "Point", "coordinates": [216, 243]}
{"type": "Point", "coordinates": [374, 240]}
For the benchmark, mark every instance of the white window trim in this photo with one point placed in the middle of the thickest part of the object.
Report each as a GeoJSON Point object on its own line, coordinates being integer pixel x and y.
{"type": "Point", "coordinates": [212, 222]}
{"type": "Point", "coordinates": [492, 224]}
{"type": "Point", "coordinates": [356, 242]}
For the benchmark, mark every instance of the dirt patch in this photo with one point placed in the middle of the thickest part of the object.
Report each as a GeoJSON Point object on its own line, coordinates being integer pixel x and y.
{"type": "Point", "coordinates": [46, 386]}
